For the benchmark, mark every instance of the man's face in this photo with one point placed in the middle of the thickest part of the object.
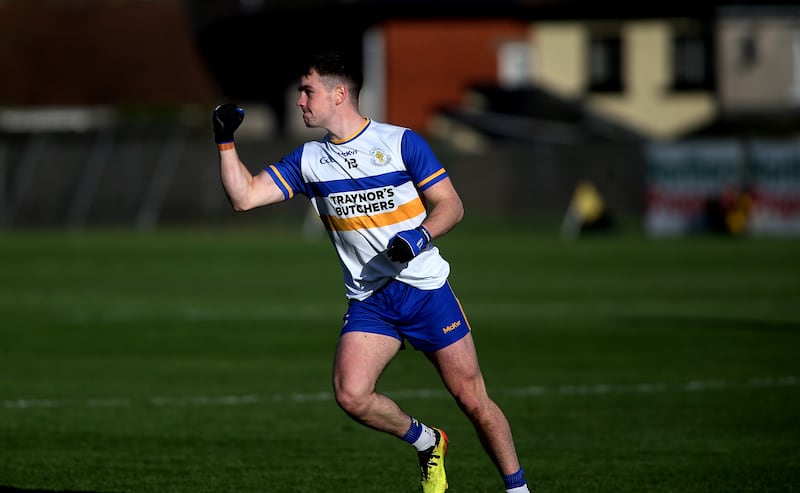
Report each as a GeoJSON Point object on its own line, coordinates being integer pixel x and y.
{"type": "Point", "coordinates": [315, 100]}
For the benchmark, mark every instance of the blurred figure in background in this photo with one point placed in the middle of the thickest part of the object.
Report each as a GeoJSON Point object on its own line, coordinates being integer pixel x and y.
{"type": "Point", "coordinates": [729, 212]}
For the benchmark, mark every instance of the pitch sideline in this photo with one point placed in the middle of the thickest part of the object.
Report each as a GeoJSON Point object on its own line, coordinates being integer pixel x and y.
{"type": "Point", "coordinates": [530, 391]}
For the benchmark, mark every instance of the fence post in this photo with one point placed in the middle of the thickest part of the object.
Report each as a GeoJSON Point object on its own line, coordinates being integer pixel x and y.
{"type": "Point", "coordinates": [33, 152]}
{"type": "Point", "coordinates": [167, 163]}
{"type": "Point", "coordinates": [87, 186]}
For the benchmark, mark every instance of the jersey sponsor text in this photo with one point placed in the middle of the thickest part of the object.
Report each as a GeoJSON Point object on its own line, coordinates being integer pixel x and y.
{"type": "Point", "coordinates": [363, 202]}
{"type": "Point", "coordinates": [453, 326]}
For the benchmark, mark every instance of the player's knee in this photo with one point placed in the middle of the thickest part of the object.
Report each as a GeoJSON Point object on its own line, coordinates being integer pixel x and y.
{"type": "Point", "coordinates": [475, 406]}
{"type": "Point", "coordinates": [352, 402]}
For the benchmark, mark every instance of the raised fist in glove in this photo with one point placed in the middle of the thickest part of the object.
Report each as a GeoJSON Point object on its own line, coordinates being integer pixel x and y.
{"type": "Point", "coordinates": [406, 245]}
{"type": "Point", "coordinates": [226, 118]}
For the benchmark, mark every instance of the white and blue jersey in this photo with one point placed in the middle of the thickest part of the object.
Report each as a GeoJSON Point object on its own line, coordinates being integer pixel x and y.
{"type": "Point", "coordinates": [366, 189]}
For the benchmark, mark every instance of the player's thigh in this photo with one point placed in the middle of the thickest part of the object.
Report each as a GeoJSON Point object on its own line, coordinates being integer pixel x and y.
{"type": "Point", "coordinates": [459, 368]}
{"type": "Point", "coordinates": [360, 359]}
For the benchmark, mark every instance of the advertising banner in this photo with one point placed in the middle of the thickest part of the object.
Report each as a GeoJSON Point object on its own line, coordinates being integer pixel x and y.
{"type": "Point", "coordinates": [687, 183]}
{"type": "Point", "coordinates": [775, 188]}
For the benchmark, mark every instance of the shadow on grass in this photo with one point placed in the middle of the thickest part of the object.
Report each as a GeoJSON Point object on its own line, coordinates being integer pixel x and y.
{"type": "Point", "coordinates": [10, 489]}
{"type": "Point", "coordinates": [709, 322]}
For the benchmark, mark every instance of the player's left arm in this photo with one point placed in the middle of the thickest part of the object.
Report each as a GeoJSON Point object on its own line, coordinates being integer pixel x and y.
{"type": "Point", "coordinates": [442, 203]}
{"type": "Point", "coordinates": [445, 208]}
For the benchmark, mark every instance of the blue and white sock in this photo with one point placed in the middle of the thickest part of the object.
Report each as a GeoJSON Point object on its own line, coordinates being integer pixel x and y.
{"type": "Point", "coordinates": [420, 436]}
{"type": "Point", "coordinates": [520, 489]}
{"type": "Point", "coordinates": [515, 483]}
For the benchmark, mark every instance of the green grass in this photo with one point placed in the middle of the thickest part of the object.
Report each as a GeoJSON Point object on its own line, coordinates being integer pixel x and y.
{"type": "Point", "coordinates": [200, 361]}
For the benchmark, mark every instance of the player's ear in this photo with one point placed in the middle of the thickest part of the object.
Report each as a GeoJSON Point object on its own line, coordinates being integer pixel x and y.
{"type": "Point", "coordinates": [340, 93]}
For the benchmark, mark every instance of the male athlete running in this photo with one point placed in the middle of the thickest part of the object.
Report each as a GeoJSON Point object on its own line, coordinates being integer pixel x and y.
{"type": "Point", "coordinates": [383, 198]}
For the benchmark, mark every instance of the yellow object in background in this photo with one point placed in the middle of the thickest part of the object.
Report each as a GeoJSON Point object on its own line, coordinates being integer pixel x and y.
{"type": "Point", "coordinates": [587, 202]}
{"type": "Point", "coordinates": [587, 211]}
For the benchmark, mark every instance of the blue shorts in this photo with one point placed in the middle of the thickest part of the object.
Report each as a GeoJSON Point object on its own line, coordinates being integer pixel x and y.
{"type": "Point", "coordinates": [428, 319]}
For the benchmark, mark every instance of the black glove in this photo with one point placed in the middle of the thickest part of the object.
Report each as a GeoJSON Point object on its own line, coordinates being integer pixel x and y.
{"type": "Point", "coordinates": [226, 119]}
{"type": "Point", "coordinates": [406, 245]}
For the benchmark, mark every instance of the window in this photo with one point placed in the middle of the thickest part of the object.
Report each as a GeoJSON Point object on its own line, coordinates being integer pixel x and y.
{"type": "Point", "coordinates": [514, 67]}
{"type": "Point", "coordinates": [795, 88]}
{"type": "Point", "coordinates": [605, 64]}
{"type": "Point", "coordinates": [691, 63]}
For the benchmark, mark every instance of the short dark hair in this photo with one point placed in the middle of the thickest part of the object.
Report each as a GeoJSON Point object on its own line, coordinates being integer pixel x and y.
{"type": "Point", "coordinates": [339, 65]}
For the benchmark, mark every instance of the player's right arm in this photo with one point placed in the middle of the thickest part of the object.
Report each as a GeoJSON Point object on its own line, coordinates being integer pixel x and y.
{"type": "Point", "coordinates": [244, 190]}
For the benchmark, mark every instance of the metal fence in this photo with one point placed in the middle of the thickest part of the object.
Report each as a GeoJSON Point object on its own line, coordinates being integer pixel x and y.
{"type": "Point", "coordinates": [143, 176]}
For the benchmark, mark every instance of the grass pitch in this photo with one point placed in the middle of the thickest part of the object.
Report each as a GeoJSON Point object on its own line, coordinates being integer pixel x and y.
{"type": "Point", "coordinates": [200, 361]}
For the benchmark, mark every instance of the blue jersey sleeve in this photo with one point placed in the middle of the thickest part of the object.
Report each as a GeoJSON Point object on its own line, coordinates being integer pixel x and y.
{"type": "Point", "coordinates": [421, 162]}
{"type": "Point", "coordinates": [287, 174]}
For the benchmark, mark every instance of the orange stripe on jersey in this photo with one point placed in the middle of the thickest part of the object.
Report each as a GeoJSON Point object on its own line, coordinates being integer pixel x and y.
{"type": "Point", "coordinates": [402, 213]}
{"type": "Point", "coordinates": [277, 173]}
{"type": "Point", "coordinates": [426, 180]}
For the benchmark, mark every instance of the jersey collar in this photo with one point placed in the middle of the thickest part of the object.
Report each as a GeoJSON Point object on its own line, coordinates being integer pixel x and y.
{"type": "Point", "coordinates": [353, 135]}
